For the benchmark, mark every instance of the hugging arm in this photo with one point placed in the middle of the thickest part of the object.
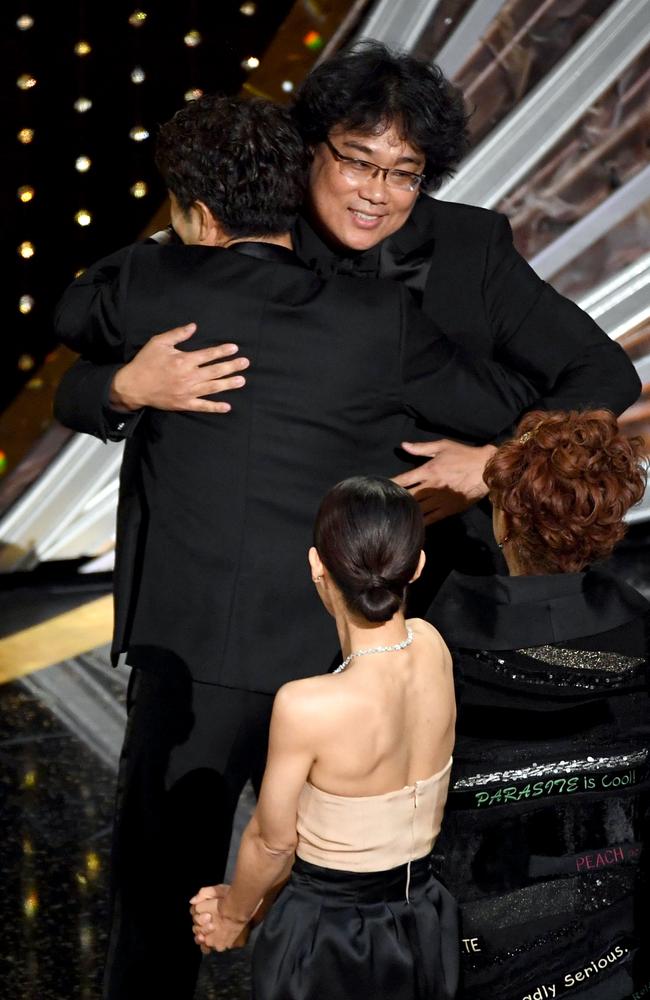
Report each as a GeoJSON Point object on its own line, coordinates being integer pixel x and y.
{"type": "Point", "coordinates": [536, 330]}
{"type": "Point", "coordinates": [87, 319]}
{"type": "Point", "coordinates": [88, 316]}
{"type": "Point", "coordinates": [102, 393]}
{"type": "Point", "coordinates": [452, 392]}
{"type": "Point", "coordinates": [540, 337]}
{"type": "Point", "coordinates": [475, 399]}
{"type": "Point", "coordinates": [83, 402]}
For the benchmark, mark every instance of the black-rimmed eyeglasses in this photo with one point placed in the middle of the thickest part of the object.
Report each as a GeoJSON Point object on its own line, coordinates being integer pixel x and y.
{"type": "Point", "coordinates": [361, 170]}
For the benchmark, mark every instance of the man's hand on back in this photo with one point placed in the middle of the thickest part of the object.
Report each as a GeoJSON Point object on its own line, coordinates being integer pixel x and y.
{"type": "Point", "coordinates": [452, 479]}
{"type": "Point", "coordinates": [166, 378]}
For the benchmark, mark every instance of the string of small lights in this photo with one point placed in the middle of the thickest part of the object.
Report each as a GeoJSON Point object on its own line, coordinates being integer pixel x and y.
{"type": "Point", "coordinates": [192, 39]}
{"type": "Point", "coordinates": [26, 83]}
{"type": "Point", "coordinates": [139, 24]}
{"type": "Point", "coordinates": [83, 107]}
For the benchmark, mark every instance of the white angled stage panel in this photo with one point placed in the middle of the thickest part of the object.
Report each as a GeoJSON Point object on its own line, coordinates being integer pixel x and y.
{"type": "Point", "coordinates": [398, 24]}
{"type": "Point", "coordinates": [623, 302]}
{"type": "Point", "coordinates": [69, 511]}
{"type": "Point", "coordinates": [460, 44]}
{"type": "Point", "coordinates": [592, 227]}
{"type": "Point", "coordinates": [530, 131]}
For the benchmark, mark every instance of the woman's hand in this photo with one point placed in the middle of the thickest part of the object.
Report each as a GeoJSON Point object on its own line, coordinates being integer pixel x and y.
{"type": "Point", "coordinates": [213, 930]}
{"type": "Point", "coordinates": [227, 933]}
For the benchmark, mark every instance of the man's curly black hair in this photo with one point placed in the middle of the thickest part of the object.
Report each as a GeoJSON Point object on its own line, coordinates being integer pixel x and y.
{"type": "Point", "coordinates": [242, 157]}
{"type": "Point", "coordinates": [369, 88]}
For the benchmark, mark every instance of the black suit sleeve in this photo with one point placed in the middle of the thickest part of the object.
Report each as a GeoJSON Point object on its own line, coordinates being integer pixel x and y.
{"type": "Point", "coordinates": [450, 391]}
{"type": "Point", "coordinates": [82, 403]}
{"type": "Point", "coordinates": [87, 319]}
{"type": "Point", "coordinates": [548, 338]}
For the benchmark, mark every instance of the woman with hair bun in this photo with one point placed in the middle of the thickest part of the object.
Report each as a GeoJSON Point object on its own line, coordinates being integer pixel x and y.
{"type": "Point", "coordinates": [355, 785]}
{"type": "Point", "coordinates": [548, 803]}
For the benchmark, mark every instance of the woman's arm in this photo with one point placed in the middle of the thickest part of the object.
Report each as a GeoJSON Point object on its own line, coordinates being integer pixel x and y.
{"type": "Point", "coordinates": [268, 844]}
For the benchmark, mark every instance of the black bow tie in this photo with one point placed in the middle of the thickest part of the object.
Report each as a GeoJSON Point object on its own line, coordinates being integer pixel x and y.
{"type": "Point", "coordinates": [386, 261]}
{"type": "Point", "coordinates": [362, 266]}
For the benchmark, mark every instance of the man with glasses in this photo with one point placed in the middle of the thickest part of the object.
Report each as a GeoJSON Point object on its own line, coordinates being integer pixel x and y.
{"type": "Point", "coordinates": [363, 171]}
{"type": "Point", "coordinates": [382, 129]}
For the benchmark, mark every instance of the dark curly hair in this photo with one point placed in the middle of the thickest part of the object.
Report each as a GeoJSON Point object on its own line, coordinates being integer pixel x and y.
{"type": "Point", "coordinates": [369, 533]}
{"type": "Point", "coordinates": [368, 87]}
{"type": "Point", "coordinates": [242, 157]}
{"type": "Point", "coordinates": [565, 483]}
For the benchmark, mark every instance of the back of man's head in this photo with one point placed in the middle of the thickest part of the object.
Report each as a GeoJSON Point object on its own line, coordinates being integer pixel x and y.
{"type": "Point", "coordinates": [242, 157]}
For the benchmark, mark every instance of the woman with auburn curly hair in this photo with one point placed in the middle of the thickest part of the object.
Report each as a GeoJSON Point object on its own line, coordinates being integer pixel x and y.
{"type": "Point", "coordinates": [541, 842]}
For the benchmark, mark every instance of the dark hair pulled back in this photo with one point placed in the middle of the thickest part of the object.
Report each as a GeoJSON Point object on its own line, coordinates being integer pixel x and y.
{"type": "Point", "coordinates": [369, 533]}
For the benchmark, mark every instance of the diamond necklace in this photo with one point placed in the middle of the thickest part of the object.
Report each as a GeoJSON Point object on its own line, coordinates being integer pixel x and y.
{"type": "Point", "coordinates": [377, 649]}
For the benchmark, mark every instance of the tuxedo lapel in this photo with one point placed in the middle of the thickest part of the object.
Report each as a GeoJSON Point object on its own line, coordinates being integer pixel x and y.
{"type": "Point", "coordinates": [407, 255]}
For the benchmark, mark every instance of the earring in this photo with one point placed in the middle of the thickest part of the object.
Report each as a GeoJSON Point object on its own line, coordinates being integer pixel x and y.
{"type": "Point", "coordinates": [506, 538]}
{"type": "Point", "coordinates": [317, 579]}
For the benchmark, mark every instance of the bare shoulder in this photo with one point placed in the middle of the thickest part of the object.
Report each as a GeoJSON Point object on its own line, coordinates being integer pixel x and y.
{"type": "Point", "coordinates": [437, 673]}
{"type": "Point", "coordinates": [426, 632]}
{"type": "Point", "coordinates": [303, 702]}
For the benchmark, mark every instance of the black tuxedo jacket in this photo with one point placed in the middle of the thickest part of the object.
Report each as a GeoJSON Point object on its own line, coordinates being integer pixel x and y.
{"type": "Point", "coordinates": [216, 512]}
{"type": "Point", "coordinates": [461, 267]}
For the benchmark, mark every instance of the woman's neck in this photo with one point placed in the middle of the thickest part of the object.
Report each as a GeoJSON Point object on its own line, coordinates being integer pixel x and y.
{"type": "Point", "coordinates": [358, 633]}
{"type": "Point", "coordinates": [514, 568]}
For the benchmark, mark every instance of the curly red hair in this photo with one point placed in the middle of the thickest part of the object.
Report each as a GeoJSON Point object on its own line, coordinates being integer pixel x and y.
{"type": "Point", "coordinates": [565, 483]}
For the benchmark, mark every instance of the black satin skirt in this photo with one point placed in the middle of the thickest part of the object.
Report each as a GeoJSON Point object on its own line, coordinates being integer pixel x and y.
{"type": "Point", "coordinates": [336, 935]}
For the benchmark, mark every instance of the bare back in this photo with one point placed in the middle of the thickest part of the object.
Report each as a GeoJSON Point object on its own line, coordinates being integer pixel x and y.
{"type": "Point", "coordinates": [387, 721]}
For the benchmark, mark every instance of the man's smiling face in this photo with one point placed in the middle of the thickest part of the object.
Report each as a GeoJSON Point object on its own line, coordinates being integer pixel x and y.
{"type": "Point", "coordinates": [359, 213]}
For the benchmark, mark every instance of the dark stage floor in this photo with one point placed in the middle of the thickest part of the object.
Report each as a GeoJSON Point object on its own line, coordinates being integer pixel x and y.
{"type": "Point", "coordinates": [56, 805]}
{"type": "Point", "coordinates": [56, 801]}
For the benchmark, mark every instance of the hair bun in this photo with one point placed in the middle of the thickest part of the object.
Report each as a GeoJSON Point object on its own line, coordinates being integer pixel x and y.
{"type": "Point", "coordinates": [369, 533]}
{"type": "Point", "coordinates": [377, 603]}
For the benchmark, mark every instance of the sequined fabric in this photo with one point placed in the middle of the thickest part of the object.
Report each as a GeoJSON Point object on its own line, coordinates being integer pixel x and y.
{"type": "Point", "coordinates": [587, 765]}
{"type": "Point", "coordinates": [542, 840]}
{"type": "Point", "coordinates": [584, 659]}
{"type": "Point", "coordinates": [558, 667]}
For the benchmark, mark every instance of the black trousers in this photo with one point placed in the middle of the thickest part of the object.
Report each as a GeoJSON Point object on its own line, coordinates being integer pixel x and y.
{"type": "Point", "coordinates": [188, 751]}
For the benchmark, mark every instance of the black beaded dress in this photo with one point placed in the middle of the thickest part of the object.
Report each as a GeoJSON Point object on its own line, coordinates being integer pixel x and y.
{"type": "Point", "coordinates": [542, 839]}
